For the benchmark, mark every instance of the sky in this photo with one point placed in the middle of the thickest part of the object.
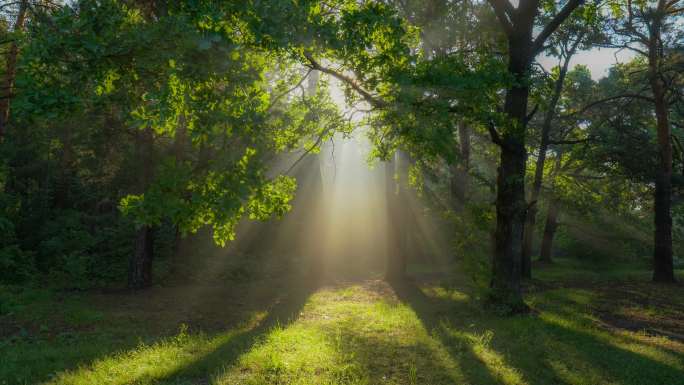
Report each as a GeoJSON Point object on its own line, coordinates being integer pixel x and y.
{"type": "Point", "coordinates": [598, 60]}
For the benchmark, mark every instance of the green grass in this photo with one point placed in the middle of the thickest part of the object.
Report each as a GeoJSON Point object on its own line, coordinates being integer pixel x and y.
{"type": "Point", "coordinates": [424, 332]}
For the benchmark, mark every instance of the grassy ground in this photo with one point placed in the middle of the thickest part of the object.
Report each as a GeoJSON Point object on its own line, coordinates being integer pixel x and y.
{"type": "Point", "coordinates": [586, 327]}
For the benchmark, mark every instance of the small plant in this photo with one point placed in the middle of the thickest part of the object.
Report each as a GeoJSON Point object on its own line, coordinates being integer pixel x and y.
{"type": "Point", "coordinates": [413, 374]}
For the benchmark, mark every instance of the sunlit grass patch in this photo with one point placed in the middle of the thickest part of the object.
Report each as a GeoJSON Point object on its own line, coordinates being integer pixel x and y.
{"type": "Point", "coordinates": [150, 363]}
{"type": "Point", "coordinates": [479, 345]}
{"type": "Point", "coordinates": [142, 365]}
{"type": "Point", "coordinates": [296, 354]}
{"type": "Point", "coordinates": [445, 293]}
{"type": "Point", "coordinates": [349, 335]}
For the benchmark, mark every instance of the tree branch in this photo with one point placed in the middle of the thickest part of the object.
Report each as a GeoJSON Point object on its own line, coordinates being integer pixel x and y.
{"type": "Point", "coordinates": [496, 138]}
{"type": "Point", "coordinates": [553, 25]}
{"type": "Point", "coordinates": [367, 96]}
{"type": "Point", "coordinates": [278, 97]}
{"type": "Point", "coordinates": [576, 141]}
{"type": "Point", "coordinates": [608, 99]}
{"type": "Point", "coordinates": [504, 12]}
{"type": "Point", "coordinates": [529, 116]}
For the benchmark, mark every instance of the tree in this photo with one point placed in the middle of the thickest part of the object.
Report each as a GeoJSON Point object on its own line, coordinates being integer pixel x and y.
{"type": "Point", "coordinates": [422, 99]}
{"type": "Point", "coordinates": [11, 58]}
{"type": "Point", "coordinates": [568, 137]}
{"type": "Point", "coordinates": [517, 24]}
{"type": "Point", "coordinates": [232, 95]}
{"type": "Point", "coordinates": [448, 28]}
{"type": "Point", "coordinates": [396, 185]}
{"type": "Point", "coordinates": [578, 33]}
{"type": "Point", "coordinates": [651, 30]}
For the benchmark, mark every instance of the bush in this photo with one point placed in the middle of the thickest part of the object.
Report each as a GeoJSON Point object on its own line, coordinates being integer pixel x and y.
{"type": "Point", "coordinates": [63, 251]}
{"type": "Point", "coordinates": [16, 265]}
{"type": "Point", "coordinates": [473, 243]}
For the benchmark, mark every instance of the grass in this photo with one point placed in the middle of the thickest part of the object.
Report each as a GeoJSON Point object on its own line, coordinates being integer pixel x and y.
{"type": "Point", "coordinates": [427, 331]}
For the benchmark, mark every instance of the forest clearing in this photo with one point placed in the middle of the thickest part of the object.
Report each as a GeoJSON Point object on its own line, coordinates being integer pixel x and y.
{"type": "Point", "coordinates": [612, 328]}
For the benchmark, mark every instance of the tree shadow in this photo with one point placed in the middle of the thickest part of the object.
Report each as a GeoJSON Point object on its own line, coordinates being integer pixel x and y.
{"type": "Point", "coordinates": [527, 349]}
{"type": "Point", "coordinates": [210, 351]}
{"type": "Point", "coordinates": [382, 359]}
{"type": "Point", "coordinates": [282, 313]}
{"type": "Point", "coordinates": [431, 312]}
{"type": "Point", "coordinates": [611, 359]}
{"type": "Point", "coordinates": [366, 350]}
{"type": "Point", "coordinates": [617, 358]}
{"type": "Point", "coordinates": [533, 344]}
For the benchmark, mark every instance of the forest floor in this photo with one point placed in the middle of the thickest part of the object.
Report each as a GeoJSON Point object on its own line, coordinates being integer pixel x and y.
{"type": "Point", "coordinates": [587, 327]}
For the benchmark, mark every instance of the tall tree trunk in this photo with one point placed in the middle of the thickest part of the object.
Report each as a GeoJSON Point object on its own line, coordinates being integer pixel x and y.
{"type": "Point", "coordinates": [510, 199]}
{"type": "Point", "coordinates": [551, 215]}
{"type": "Point", "coordinates": [62, 195]}
{"type": "Point", "coordinates": [314, 250]}
{"type": "Point", "coordinates": [140, 263]}
{"type": "Point", "coordinates": [11, 70]}
{"type": "Point", "coordinates": [180, 148]}
{"type": "Point", "coordinates": [531, 217]}
{"type": "Point", "coordinates": [396, 236]}
{"type": "Point", "coordinates": [460, 177]}
{"type": "Point", "coordinates": [549, 232]}
{"type": "Point", "coordinates": [663, 268]}
{"type": "Point", "coordinates": [517, 23]}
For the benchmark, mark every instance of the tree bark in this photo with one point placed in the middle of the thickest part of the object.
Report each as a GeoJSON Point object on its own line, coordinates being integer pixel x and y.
{"type": "Point", "coordinates": [11, 70]}
{"type": "Point", "coordinates": [510, 199]}
{"type": "Point", "coordinates": [140, 265]}
{"type": "Point", "coordinates": [663, 267]}
{"type": "Point", "coordinates": [549, 232]}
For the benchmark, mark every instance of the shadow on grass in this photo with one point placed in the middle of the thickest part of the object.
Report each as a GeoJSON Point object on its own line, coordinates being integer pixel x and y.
{"type": "Point", "coordinates": [462, 344]}
{"type": "Point", "coordinates": [384, 359]}
{"type": "Point", "coordinates": [32, 359]}
{"type": "Point", "coordinates": [431, 312]}
{"type": "Point", "coordinates": [558, 346]}
{"type": "Point", "coordinates": [282, 313]}
{"type": "Point", "coordinates": [166, 359]}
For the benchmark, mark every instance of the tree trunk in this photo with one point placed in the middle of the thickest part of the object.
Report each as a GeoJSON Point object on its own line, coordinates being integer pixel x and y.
{"type": "Point", "coordinates": [549, 232]}
{"type": "Point", "coordinates": [663, 267]}
{"type": "Point", "coordinates": [315, 250]}
{"type": "Point", "coordinates": [531, 217]}
{"type": "Point", "coordinates": [62, 193]}
{"type": "Point", "coordinates": [396, 237]}
{"type": "Point", "coordinates": [460, 177]}
{"type": "Point", "coordinates": [510, 199]}
{"type": "Point", "coordinates": [510, 211]}
{"type": "Point", "coordinates": [140, 263]}
{"type": "Point", "coordinates": [180, 148]}
{"type": "Point", "coordinates": [11, 70]}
